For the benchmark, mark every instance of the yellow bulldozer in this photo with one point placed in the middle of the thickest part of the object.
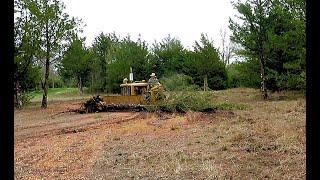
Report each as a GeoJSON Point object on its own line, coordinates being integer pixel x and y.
{"type": "Point", "coordinates": [134, 95]}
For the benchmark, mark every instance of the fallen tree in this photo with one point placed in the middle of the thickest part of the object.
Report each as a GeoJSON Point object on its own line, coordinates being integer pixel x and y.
{"type": "Point", "coordinates": [180, 104]}
{"type": "Point", "coordinates": [96, 104]}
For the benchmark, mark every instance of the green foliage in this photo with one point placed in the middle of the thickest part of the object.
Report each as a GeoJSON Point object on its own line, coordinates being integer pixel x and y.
{"type": "Point", "coordinates": [289, 81]}
{"type": "Point", "coordinates": [273, 33]}
{"type": "Point", "coordinates": [26, 98]}
{"type": "Point", "coordinates": [184, 101]}
{"type": "Point", "coordinates": [207, 62]}
{"type": "Point", "coordinates": [26, 43]}
{"type": "Point", "coordinates": [247, 73]}
{"type": "Point", "coordinates": [128, 54]}
{"type": "Point", "coordinates": [233, 76]}
{"type": "Point", "coordinates": [179, 82]}
{"type": "Point", "coordinates": [42, 29]}
{"type": "Point", "coordinates": [287, 45]}
{"type": "Point", "coordinates": [169, 56]}
{"type": "Point", "coordinates": [31, 78]}
{"type": "Point", "coordinates": [272, 37]}
{"type": "Point", "coordinates": [56, 81]}
{"type": "Point", "coordinates": [103, 50]}
{"type": "Point", "coordinates": [75, 63]}
{"type": "Point", "coordinates": [112, 57]}
{"type": "Point", "coordinates": [53, 26]}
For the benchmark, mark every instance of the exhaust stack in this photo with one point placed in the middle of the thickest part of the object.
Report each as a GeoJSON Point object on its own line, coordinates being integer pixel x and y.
{"type": "Point", "coordinates": [131, 75]}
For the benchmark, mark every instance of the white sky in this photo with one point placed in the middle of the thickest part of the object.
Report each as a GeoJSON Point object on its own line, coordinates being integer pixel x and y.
{"type": "Point", "coordinates": [153, 19]}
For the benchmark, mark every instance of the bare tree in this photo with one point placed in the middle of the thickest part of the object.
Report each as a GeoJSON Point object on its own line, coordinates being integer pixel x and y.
{"type": "Point", "coordinates": [227, 48]}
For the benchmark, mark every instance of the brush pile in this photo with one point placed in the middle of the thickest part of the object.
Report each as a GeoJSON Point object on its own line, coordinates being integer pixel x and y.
{"type": "Point", "coordinates": [96, 104]}
{"type": "Point", "coordinates": [180, 102]}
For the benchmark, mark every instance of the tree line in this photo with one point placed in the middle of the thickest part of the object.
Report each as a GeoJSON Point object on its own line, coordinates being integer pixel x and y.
{"type": "Point", "coordinates": [107, 62]}
{"type": "Point", "coordinates": [269, 36]}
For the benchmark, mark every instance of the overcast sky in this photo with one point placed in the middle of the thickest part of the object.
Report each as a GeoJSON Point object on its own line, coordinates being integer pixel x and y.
{"type": "Point", "coordinates": [153, 19]}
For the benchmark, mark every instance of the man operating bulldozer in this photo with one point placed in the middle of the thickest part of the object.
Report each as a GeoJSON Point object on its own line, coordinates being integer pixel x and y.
{"type": "Point", "coordinates": [153, 81]}
{"type": "Point", "coordinates": [155, 88]}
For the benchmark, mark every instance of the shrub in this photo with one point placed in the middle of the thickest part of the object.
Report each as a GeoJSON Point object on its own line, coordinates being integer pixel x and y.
{"type": "Point", "coordinates": [181, 101]}
{"type": "Point", "coordinates": [184, 101]}
{"type": "Point", "coordinates": [26, 98]}
{"type": "Point", "coordinates": [179, 82]}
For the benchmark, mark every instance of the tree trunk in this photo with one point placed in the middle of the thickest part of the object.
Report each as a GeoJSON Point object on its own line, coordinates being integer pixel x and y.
{"type": "Point", "coordinates": [80, 84]}
{"type": "Point", "coordinates": [45, 86]}
{"type": "Point", "coordinates": [205, 83]}
{"type": "Point", "coordinates": [261, 40]}
{"type": "Point", "coordinates": [91, 82]}
{"type": "Point", "coordinates": [105, 71]}
{"type": "Point", "coordinates": [17, 94]}
{"type": "Point", "coordinates": [264, 92]}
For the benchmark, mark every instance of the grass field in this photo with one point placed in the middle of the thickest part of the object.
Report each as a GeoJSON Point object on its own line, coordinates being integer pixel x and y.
{"type": "Point", "coordinates": [248, 138]}
{"type": "Point", "coordinates": [55, 94]}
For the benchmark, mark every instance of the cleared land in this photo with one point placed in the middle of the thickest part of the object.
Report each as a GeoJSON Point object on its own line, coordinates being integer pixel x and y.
{"type": "Point", "coordinates": [266, 139]}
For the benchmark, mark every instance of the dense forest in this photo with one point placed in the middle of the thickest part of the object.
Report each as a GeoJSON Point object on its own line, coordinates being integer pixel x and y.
{"type": "Point", "coordinates": [269, 36]}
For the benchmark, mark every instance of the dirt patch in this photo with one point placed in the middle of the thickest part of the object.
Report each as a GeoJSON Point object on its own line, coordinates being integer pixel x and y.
{"type": "Point", "coordinates": [61, 147]}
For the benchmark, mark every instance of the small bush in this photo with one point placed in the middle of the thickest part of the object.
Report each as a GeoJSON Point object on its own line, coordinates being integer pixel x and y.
{"type": "Point", "coordinates": [196, 101]}
{"type": "Point", "coordinates": [26, 98]}
{"type": "Point", "coordinates": [184, 101]}
{"type": "Point", "coordinates": [179, 82]}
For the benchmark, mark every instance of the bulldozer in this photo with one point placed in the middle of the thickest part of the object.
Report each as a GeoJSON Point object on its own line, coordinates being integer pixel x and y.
{"type": "Point", "coordinates": [134, 95]}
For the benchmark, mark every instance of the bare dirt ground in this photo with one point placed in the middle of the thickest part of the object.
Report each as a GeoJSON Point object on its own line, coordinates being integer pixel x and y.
{"type": "Point", "coordinates": [266, 140]}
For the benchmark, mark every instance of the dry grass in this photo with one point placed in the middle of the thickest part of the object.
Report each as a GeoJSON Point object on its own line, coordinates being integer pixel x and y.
{"type": "Point", "coordinates": [265, 140]}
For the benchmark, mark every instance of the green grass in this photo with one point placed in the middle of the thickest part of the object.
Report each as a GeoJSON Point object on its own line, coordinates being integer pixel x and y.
{"type": "Point", "coordinates": [54, 91]}
{"type": "Point", "coordinates": [56, 94]}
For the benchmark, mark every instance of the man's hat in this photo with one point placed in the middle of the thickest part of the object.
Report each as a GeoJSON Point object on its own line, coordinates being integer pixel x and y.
{"type": "Point", "coordinates": [153, 74]}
